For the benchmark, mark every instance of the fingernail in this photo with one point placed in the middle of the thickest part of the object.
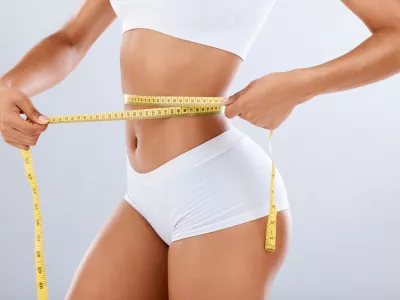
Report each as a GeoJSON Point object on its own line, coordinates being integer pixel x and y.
{"type": "Point", "coordinates": [226, 100]}
{"type": "Point", "coordinates": [43, 119]}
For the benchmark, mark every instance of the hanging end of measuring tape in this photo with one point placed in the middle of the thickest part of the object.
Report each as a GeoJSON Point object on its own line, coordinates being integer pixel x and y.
{"type": "Point", "coordinates": [270, 237]}
{"type": "Point", "coordinates": [270, 248]}
{"type": "Point", "coordinates": [42, 292]}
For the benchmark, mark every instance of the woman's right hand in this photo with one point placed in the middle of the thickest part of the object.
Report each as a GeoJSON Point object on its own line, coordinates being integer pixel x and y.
{"type": "Point", "coordinates": [15, 130]}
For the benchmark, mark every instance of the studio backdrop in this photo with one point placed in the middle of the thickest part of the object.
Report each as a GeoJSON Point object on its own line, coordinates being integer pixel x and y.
{"type": "Point", "coordinates": [338, 155]}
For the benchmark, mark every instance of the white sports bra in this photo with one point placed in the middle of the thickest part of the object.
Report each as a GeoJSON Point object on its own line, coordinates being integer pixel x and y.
{"type": "Point", "coordinates": [230, 25]}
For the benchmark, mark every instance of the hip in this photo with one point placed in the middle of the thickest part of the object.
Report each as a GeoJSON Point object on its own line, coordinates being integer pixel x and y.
{"type": "Point", "coordinates": [224, 178]}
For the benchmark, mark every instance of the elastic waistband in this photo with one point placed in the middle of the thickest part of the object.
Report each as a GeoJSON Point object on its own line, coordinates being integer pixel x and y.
{"type": "Point", "coordinates": [204, 151]}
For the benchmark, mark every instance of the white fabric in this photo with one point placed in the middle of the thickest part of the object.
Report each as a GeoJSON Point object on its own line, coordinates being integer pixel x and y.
{"type": "Point", "coordinates": [218, 184]}
{"type": "Point", "coordinates": [230, 25]}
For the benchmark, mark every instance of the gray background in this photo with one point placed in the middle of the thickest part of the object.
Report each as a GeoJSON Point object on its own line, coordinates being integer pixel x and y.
{"type": "Point", "coordinates": [338, 154]}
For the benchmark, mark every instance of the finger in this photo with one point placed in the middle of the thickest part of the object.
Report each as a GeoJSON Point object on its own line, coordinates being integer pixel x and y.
{"type": "Point", "coordinates": [19, 146]}
{"type": "Point", "coordinates": [22, 138]}
{"type": "Point", "coordinates": [232, 111]}
{"type": "Point", "coordinates": [26, 127]}
{"type": "Point", "coordinates": [27, 107]}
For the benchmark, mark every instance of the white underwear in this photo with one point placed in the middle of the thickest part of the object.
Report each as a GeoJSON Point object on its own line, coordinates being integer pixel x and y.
{"type": "Point", "coordinates": [219, 184]}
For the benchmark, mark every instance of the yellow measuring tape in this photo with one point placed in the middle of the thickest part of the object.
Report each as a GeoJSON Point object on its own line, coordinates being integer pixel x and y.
{"type": "Point", "coordinates": [270, 238]}
{"type": "Point", "coordinates": [172, 107]}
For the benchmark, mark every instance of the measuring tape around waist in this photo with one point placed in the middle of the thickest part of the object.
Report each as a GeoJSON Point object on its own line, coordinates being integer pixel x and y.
{"type": "Point", "coordinates": [173, 106]}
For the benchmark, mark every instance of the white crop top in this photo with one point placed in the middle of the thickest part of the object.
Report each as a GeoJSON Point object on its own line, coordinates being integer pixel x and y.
{"type": "Point", "coordinates": [230, 25]}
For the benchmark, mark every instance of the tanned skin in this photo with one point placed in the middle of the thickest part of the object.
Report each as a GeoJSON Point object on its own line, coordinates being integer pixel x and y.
{"type": "Point", "coordinates": [128, 260]}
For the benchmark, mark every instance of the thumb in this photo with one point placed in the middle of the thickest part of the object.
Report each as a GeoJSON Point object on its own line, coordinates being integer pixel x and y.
{"type": "Point", "coordinates": [231, 99]}
{"type": "Point", "coordinates": [26, 106]}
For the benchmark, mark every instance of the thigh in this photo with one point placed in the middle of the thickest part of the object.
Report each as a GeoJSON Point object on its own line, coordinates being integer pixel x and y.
{"type": "Point", "coordinates": [126, 261]}
{"type": "Point", "coordinates": [227, 264]}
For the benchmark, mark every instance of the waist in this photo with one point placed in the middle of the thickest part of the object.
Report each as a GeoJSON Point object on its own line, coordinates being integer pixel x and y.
{"type": "Point", "coordinates": [160, 65]}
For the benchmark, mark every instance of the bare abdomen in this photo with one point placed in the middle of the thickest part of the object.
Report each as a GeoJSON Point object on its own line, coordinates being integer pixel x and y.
{"type": "Point", "coordinates": [156, 64]}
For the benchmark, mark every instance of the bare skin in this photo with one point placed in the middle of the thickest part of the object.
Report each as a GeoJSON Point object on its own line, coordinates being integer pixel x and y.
{"type": "Point", "coordinates": [128, 260]}
{"type": "Point", "coordinates": [186, 69]}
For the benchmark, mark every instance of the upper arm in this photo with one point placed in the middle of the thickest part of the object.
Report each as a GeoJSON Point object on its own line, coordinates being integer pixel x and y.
{"type": "Point", "coordinates": [88, 23]}
{"type": "Point", "coordinates": [376, 14]}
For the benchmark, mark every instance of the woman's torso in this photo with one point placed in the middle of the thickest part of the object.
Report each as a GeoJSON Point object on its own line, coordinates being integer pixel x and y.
{"type": "Point", "coordinates": [153, 63]}
{"type": "Point", "coordinates": [185, 60]}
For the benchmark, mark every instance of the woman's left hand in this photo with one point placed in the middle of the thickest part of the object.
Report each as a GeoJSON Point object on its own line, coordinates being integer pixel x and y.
{"type": "Point", "coordinates": [269, 100]}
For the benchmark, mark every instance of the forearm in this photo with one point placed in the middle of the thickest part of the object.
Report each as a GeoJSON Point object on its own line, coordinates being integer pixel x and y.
{"type": "Point", "coordinates": [44, 66]}
{"type": "Point", "coordinates": [375, 59]}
